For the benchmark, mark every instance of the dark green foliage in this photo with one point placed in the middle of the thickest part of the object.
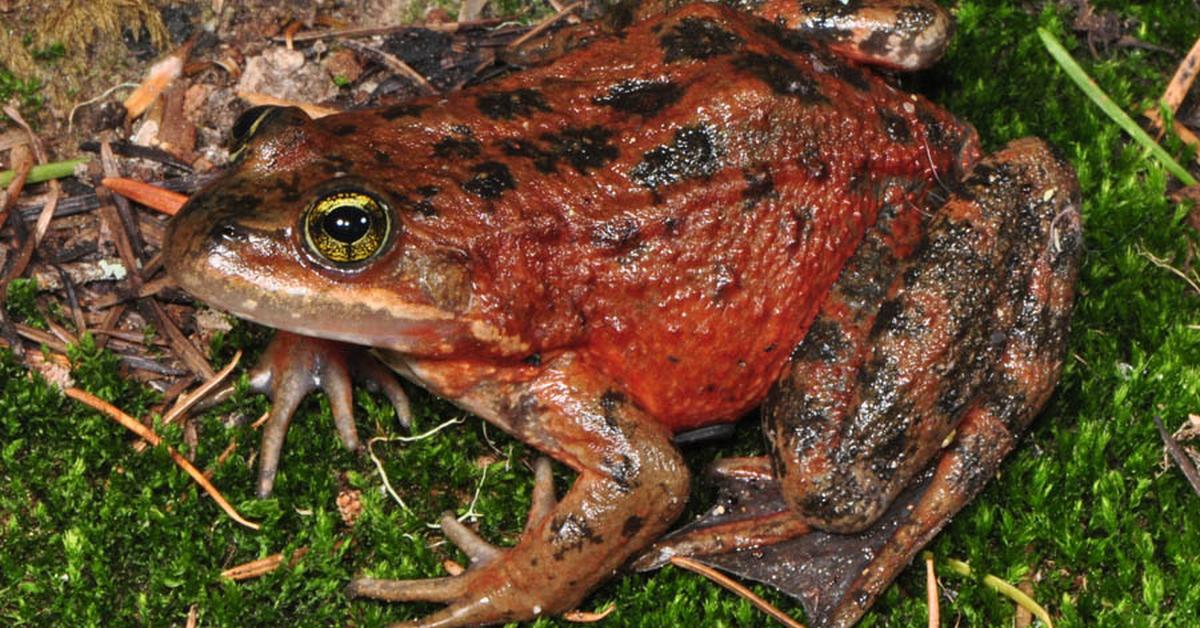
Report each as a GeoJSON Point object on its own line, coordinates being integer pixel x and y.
{"type": "Point", "coordinates": [27, 92]}
{"type": "Point", "coordinates": [92, 532]}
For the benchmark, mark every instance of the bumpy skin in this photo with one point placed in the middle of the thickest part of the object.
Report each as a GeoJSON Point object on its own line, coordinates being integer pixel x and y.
{"type": "Point", "coordinates": [625, 241]}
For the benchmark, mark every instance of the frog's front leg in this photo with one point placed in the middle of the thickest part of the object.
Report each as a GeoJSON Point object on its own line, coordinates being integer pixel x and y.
{"type": "Point", "coordinates": [631, 484]}
{"type": "Point", "coordinates": [293, 366]}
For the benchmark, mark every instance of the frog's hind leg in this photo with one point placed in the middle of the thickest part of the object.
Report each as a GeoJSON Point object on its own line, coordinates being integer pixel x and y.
{"type": "Point", "coordinates": [898, 34]}
{"type": "Point", "coordinates": [838, 575]}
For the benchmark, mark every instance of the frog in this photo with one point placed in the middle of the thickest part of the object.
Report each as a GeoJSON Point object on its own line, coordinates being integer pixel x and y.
{"type": "Point", "coordinates": [669, 217]}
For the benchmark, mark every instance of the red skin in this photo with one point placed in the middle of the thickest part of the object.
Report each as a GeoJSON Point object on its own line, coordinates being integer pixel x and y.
{"type": "Point", "coordinates": [624, 242]}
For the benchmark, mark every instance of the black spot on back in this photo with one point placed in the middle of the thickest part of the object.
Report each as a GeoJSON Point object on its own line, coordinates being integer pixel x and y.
{"type": "Point", "coordinates": [342, 130]}
{"type": "Point", "coordinates": [423, 205]}
{"type": "Point", "coordinates": [615, 234]}
{"type": "Point", "coordinates": [583, 148]}
{"type": "Point", "coordinates": [640, 96]}
{"type": "Point", "coordinates": [781, 75]}
{"type": "Point", "coordinates": [760, 185]}
{"type": "Point", "coordinates": [518, 103]}
{"type": "Point", "coordinates": [895, 126]}
{"type": "Point", "coordinates": [399, 111]}
{"type": "Point", "coordinates": [463, 147]}
{"type": "Point", "coordinates": [697, 38]}
{"type": "Point", "coordinates": [692, 153]}
{"type": "Point", "coordinates": [490, 180]}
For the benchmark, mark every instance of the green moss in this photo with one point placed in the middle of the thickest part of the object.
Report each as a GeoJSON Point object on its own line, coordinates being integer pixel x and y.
{"type": "Point", "coordinates": [26, 91]}
{"type": "Point", "coordinates": [21, 303]}
{"type": "Point", "coordinates": [92, 532]}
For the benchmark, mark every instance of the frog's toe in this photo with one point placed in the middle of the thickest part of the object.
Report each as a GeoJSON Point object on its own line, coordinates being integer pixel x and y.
{"type": "Point", "coordinates": [423, 590]}
{"type": "Point", "coordinates": [474, 596]}
{"type": "Point", "coordinates": [381, 378]}
{"type": "Point", "coordinates": [293, 366]}
{"type": "Point", "coordinates": [543, 499]}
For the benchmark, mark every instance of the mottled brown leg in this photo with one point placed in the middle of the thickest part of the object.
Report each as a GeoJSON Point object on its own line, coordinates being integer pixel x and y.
{"type": "Point", "coordinates": [293, 366]}
{"type": "Point", "coordinates": [838, 576]}
{"type": "Point", "coordinates": [749, 513]}
{"type": "Point", "coordinates": [631, 485]}
{"type": "Point", "coordinates": [872, 395]}
{"type": "Point", "coordinates": [897, 34]}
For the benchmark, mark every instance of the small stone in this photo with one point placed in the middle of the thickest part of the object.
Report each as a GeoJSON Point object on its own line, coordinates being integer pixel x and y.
{"type": "Point", "coordinates": [343, 67]}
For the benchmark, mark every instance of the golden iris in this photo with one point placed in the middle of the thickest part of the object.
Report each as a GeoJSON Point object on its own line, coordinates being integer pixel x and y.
{"type": "Point", "coordinates": [346, 227]}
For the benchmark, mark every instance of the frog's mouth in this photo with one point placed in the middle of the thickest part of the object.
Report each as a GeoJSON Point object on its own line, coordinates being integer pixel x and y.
{"type": "Point", "coordinates": [245, 262]}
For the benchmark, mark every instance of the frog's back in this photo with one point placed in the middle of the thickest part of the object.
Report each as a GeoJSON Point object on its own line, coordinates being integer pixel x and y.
{"type": "Point", "coordinates": [672, 201]}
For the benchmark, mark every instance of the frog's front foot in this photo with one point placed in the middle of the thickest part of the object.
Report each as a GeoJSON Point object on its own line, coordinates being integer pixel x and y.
{"type": "Point", "coordinates": [631, 483]}
{"type": "Point", "coordinates": [293, 366]}
{"type": "Point", "coordinates": [490, 590]}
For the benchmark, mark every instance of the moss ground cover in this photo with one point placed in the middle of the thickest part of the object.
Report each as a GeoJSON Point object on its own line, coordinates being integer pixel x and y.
{"type": "Point", "coordinates": [91, 532]}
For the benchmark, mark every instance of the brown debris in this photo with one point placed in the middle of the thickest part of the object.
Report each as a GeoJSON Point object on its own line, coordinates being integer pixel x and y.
{"type": "Point", "coordinates": [95, 254]}
{"type": "Point", "coordinates": [1173, 97]}
{"type": "Point", "coordinates": [1186, 458]}
{"type": "Point", "coordinates": [154, 439]}
{"type": "Point", "coordinates": [349, 504]}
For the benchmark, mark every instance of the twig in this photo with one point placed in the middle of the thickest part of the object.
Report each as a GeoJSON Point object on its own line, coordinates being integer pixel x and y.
{"type": "Point", "coordinates": [1006, 589]}
{"type": "Point", "coordinates": [135, 151]}
{"type": "Point", "coordinates": [371, 31]}
{"type": "Point", "coordinates": [545, 24]}
{"type": "Point", "coordinates": [151, 196]}
{"type": "Point", "coordinates": [712, 574]}
{"type": "Point", "coordinates": [108, 92]}
{"type": "Point", "coordinates": [188, 401]}
{"type": "Point", "coordinates": [387, 485]}
{"type": "Point", "coordinates": [931, 592]}
{"type": "Point", "coordinates": [262, 566]}
{"type": "Point", "coordinates": [89, 201]}
{"type": "Point", "coordinates": [1180, 458]}
{"type": "Point", "coordinates": [46, 172]}
{"type": "Point", "coordinates": [183, 347]}
{"type": "Point", "coordinates": [147, 434]}
{"type": "Point", "coordinates": [1181, 82]}
{"type": "Point", "coordinates": [108, 165]}
{"type": "Point", "coordinates": [1114, 111]}
{"type": "Point", "coordinates": [589, 617]}
{"type": "Point", "coordinates": [1161, 263]}
{"type": "Point", "coordinates": [393, 63]}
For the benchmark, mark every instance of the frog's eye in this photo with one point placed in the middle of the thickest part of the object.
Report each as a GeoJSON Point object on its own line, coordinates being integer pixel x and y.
{"type": "Point", "coordinates": [346, 227]}
{"type": "Point", "coordinates": [247, 124]}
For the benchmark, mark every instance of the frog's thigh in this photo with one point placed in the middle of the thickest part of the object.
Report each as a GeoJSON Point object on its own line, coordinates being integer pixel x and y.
{"type": "Point", "coordinates": [850, 434]}
{"type": "Point", "coordinates": [1023, 380]}
{"type": "Point", "coordinates": [631, 485]}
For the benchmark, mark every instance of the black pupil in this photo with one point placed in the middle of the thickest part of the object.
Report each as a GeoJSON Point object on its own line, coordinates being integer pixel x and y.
{"type": "Point", "coordinates": [347, 223]}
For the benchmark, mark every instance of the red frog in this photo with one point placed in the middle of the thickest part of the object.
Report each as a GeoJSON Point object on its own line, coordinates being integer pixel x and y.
{"type": "Point", "coordinates": [675, 215]}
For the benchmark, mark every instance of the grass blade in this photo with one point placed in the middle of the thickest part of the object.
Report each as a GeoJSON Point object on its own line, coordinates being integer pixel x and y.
{"type": "Point", "coordinates": [1111, 108]}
